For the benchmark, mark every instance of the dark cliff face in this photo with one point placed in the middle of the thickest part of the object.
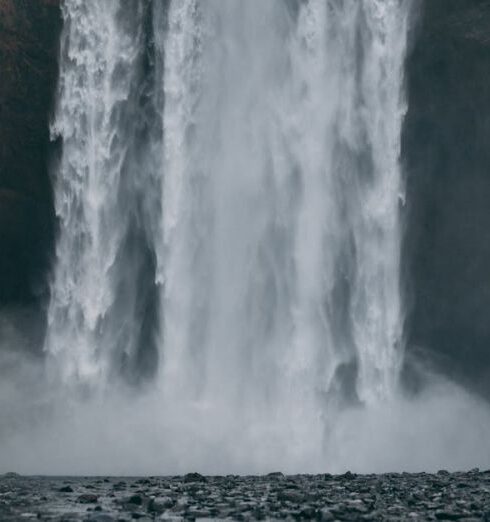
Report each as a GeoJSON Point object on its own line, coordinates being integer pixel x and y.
{"type": "Point", "coordinates": [29, 34]}
{"type": "Point", "coordinates": [446, 151]}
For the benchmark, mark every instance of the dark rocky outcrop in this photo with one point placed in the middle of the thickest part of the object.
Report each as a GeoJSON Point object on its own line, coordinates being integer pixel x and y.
{"type": "Point", "coordinates": [447, 157]}
{"type": "Point", "coordinates": [29, 34]}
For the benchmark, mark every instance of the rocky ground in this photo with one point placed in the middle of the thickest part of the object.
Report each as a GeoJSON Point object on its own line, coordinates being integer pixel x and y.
{"type": "Point", "coordinates": [441, 496]}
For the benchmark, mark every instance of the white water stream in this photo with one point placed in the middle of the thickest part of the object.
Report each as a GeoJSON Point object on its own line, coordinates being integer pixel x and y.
{"type": "Point", "coordinates": [266, 191]}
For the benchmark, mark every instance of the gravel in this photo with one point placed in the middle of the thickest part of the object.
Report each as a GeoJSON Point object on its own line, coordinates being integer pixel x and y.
{"type": "Point", "coordinates": [392, 496]}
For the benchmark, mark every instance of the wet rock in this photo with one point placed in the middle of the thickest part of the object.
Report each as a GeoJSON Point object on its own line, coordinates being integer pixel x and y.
{"type": "Point", "coordinates": [161, 504]}
{"type": "Point", "coordinates": [194, 477]}
{"type": "Point", "coordinates": [137, 500]}
{"type": "Point", "coordinates": [348, 475]}
{"type": "Point", "coordinates": [87, 498]}
{"type": "Point", "coordinates": [100, 517]}
{"type": "Point", "coordinates": [448, 515]}
{"type": "Point", "coordinates": [326, 515]}
{"type": "Point", "coordinates": [275, 475]}
{"type": "Point", "coordinates": [291, 495]}
{"type": "Point", "coordinates": [387, 497]}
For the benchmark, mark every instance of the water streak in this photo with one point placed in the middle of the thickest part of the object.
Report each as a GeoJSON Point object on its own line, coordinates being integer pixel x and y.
{"type": "Point", "coordinates": [93, 310]}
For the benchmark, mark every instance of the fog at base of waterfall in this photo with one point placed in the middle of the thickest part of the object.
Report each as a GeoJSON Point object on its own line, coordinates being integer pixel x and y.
{"type": "Point", "coordinates": [227, 291]}
{"type": "Point", "coordinates": [132, 434]}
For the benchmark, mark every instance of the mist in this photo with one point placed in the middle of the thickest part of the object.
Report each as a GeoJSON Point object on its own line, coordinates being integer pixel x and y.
{"type": "Point", "coordinates": [47, 429]}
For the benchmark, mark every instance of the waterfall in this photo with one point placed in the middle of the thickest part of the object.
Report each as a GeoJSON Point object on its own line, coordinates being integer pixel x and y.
{"type": "Point", "coordinates": [93, 314]}
{"type": "Point", "coordinates": [229, 197]}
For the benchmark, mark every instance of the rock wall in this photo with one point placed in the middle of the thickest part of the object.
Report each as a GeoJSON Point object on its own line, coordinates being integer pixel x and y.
{"type": "Point", "coordinates": [446, 151]}
{"type": "Point", "coordinates": [29, 34]}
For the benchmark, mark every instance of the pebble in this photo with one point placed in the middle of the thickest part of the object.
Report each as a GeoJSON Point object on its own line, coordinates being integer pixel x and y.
{"type": "Point", "coordinates": [395, 496]}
